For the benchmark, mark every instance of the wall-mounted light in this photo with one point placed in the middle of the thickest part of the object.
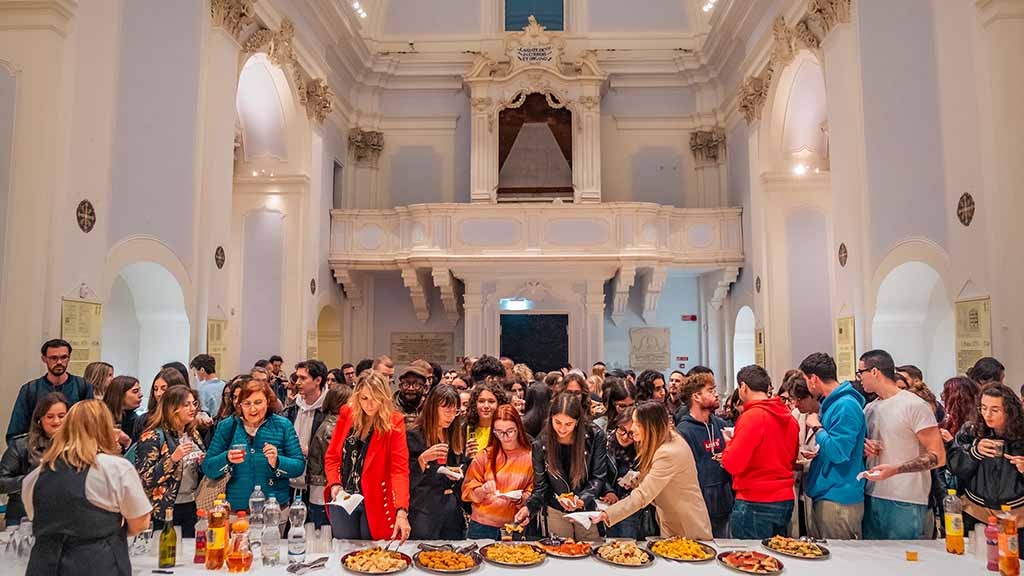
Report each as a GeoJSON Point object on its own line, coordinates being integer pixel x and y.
{"type": "Point", "coordinates": [273, 202]}
{"type": "Point", "coordinates": [800, 169]}
{"type": "Point", "coordinates": [515, 304]}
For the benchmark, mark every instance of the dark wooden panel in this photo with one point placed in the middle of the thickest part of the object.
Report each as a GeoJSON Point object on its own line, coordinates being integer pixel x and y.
{"type": "Point", "coordinates": [541, 341]}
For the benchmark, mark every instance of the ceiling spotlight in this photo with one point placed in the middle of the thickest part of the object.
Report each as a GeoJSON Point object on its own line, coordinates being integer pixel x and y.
{"type": "Point", "coordinates": [800, 169]}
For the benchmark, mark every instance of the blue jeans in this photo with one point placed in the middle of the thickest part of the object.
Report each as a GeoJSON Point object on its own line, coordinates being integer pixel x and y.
{"type": "Point", "coordinates": [760, 520]}
{"type": "Point", "coordinates": [478, 531]}
{"type": "Point", "coordinates": [892, 520]}
{"type": "Point", "coordinates": [627, 528]}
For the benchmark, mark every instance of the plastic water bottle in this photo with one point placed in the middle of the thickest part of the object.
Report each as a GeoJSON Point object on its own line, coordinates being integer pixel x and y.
{"type": "Point", "coordinates": [297, 532]}
{"type": "Point", "coordinates": [257, 503]}
{"type": "Point", "coordinates": [271, 545]}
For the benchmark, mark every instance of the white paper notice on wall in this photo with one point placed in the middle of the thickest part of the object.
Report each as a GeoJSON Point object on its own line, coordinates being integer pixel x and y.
{"type": "Point", "coordinates": [973, 332]}
{"type": "Point", "coordinates": [650, 348]}
{"type": "Point", "coordinates": [81, 324]}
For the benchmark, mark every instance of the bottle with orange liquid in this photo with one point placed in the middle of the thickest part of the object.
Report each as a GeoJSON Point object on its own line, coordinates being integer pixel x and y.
{"type": "Point", "coordinates": [216, 536]}
{"type": "Point", "coordinates": [954, 523]}
{"type": "Point", "coordinates": [1009, 556]}
{"type": "Point", "coordinates": [239, 553]}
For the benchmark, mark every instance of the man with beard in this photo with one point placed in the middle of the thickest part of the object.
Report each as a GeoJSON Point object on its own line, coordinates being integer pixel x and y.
{"type": "Point", "coordinates": [675, 389]}
{"type": "Point", "coordinates": [56, 355]}
{"type": "Point", "coordinates": [702, 430]}
{"type": "Point", "coordinates": [412, 388]}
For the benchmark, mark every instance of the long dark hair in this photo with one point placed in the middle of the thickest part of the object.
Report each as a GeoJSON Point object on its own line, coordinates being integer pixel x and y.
{"type": "Point", "coordinates": [227, 404]}
{"type": "Point", "coordinates": [37, 440]}
{"type": "Point", "coordinates": [960, 397]}
{"type": "Point", "coordinates": [614, 448]}
{"type": "Point", "coordinates": [537, 399]}
{"type": "Point", "coordinates": [114, 396]}
{"type": "Point", "coordinates": [584, 395]}
{"type": "Point", "coordinates": [567, 404]}
{"type": "Point", "coordinates": [615, 391]}
{"type": "Point", "coordinates": [428, 420]}
{"type": "Point", "coordinates": [472, 417]}
{"type": "Point", "coordinates": [1012, 407]}
{"type": "Point", "coordinates": [172, 378]}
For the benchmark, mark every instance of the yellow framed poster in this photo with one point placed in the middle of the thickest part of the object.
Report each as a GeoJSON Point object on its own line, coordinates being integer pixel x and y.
{"type": "Point", "coordinates": [759, 351]}
{"type": "Point", "coordinates": [846, 348]}
{"type": "Point", "coordinates": [217, 341]}
{"type": "Point", "coordinates": [312, 345]}
{"type": "Point", "coordinates": [81, 324]}
{"type": "Point", "coordinates": [973, 332]}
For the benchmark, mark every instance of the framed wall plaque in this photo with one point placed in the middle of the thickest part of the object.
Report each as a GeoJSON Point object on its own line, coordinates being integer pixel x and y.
{"type": "Point", "coordinates": [85, 214]}
{"type": "Point", "coordinates": [965, 209]}
{"type": "Point", "coordinates": [844, 255]}
{"type": "Point", "coordinates": [219, 257]}
{"type": "Point", "coordinates": [846, 348]}
{"type": "Point", "coordinates": [759, 348]}
{"type": "Point", "coordinates": [973, 332]}
{"type": "Point", "coordinates": [81, 324]}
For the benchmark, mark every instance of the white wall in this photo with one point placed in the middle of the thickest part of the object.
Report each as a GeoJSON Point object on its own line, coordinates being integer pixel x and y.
{"type": "Point", "coordinates": [121, 330]}
{"type": "Point", "coordinates": [8, 84]}
{"type": "Point", "coordinates": [651, 16]}
{"type": "Point", "coordinates": [810, 315]}
{"type": "Point", "coordinates": [263, 264]}
{"type": "Point", "coordinates": [157, 122]}
{"type": "Point", "coordinates": [429, 17]}
{"type": "Point", "coordinates": [678, 297]}
{"type": "Point", "coordinates": [393, 312]}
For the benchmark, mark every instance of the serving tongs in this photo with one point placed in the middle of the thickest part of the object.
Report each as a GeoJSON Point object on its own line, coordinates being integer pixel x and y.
{"type": "Point", "coordinates": [302, 568]}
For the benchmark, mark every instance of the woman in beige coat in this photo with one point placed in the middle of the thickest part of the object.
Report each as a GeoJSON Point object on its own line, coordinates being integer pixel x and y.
{"type": "Point", "coordinates": [668, 478]}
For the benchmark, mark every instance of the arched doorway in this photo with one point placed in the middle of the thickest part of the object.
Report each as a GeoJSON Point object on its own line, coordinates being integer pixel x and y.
{"type": "Point", "coordinates": [914, 321]}
{"type": "Point", "coordinates": [145, 324]}
{"type": "Point", "coordinates": [329, 337]}
{"type": "Point", "coordinates": [742, 342]}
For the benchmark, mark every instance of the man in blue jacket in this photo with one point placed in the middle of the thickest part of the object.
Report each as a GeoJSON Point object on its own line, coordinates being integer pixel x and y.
{"type": "Point", "coordinates": [832, 480]}
{"type": "Point", "coordinates": [702, 430]}
{"type": "Point", "coordinates": [56, 355]}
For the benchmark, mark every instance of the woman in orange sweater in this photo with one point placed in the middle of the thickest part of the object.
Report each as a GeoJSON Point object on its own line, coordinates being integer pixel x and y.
{"type": "Point", "coordinates": [506, 465]}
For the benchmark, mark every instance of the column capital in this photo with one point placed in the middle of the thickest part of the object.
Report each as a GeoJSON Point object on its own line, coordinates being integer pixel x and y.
{"type": "Point", "coordinates": [708, 146]}
{"type": "Point", "coordinates": [366, 145]}
{"type": "Point", "coordinates": [990, 11]}
{"type": "Point", "coordinates": [233, 16]}
{"type": "Point", "coordinates": [53, 15]}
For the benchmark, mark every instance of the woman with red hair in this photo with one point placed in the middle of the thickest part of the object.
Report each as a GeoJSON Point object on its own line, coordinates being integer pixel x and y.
{"type": "Point", "coordinates": [960, 396]}
{"type": "Point", "coordinates": [504, 466]}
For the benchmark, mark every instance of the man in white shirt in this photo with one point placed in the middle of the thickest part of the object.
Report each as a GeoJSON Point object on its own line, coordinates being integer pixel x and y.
{"type": "Point", "coordinates": [902, 445]}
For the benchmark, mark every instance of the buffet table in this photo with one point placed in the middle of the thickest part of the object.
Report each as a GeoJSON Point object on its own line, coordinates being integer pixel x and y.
{"type": "Point", "coordinates": [853, 558]}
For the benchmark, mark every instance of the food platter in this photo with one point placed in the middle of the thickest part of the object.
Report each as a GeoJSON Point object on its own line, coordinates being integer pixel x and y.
{"type": "Point", "coordinates": [793, 546]}
{"type": "Point", "coordinates": [426, 560]}
{"type": "Point", "coordinates": [750, 555]}
{"type": "Point", "coordinates": [709, 552]}
{"type": "Point", "coordinates": [559, 548]}
{"type": "Point", "coordinates": [629, 546]}
{"type": "Point", "coordinates": [486, 551]}
{"type": "Point", "coordinates": [353, 556]}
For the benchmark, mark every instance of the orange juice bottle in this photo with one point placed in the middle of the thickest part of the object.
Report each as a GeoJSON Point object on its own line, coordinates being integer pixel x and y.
{"type": "Point", "coordinates": [1009, 556]}
{"type": "Point", "coordinates": [216, 537]}
{"type": "Point", "coordinates": [954, 523]}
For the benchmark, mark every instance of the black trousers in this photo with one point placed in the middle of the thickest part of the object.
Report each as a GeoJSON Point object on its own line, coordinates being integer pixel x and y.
{"type": "Point", "coordinates": [184, 516]}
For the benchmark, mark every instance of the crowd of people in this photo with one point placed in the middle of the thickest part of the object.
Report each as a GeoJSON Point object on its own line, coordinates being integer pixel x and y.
{"type": "Point", "coordinates": [461, 453]}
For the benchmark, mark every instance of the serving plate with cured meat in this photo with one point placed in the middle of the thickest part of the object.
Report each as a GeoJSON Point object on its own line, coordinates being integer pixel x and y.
{"type": "Point", "coordinates": [750, 562]}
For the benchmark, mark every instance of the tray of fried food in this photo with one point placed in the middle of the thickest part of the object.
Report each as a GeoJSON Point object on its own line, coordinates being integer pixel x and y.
{"type": "Point", "coordinates": [447, 561]}
{"type": "Point", "coordinates": [682, 549]}
{"type": "Point", "coordinates": [795, 548]}
{"type": "Point", "coordinates": [375, 560]}
{"type": "Point", "coordinates": [516, 555]}
{"type": "Point", "coordinates": [624, 553]}
{"type": "Point", "coordinates": [750, 562]}
{"type": "Point", "coordinates": [566, 548]}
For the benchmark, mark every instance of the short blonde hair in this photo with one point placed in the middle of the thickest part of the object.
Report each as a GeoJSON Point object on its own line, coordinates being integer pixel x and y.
{"type": "Point", "coordinates": [88, 430]}
{"type": "Point", "coordinates": [377, 385]}
{"type": "Point", "coordinates": [522, 374]}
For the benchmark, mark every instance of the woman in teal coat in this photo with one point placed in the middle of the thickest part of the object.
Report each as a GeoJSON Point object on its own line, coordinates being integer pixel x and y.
{"type": "Point", "coordinates": [257, 446]}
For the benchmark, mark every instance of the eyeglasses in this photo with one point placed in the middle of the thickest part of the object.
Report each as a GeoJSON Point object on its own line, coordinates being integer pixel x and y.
{"type": "Point", "coordinates": [857, 373]}
{"type": "Point", "coordinates": [254, 404]}
{"type": "Point", "coordinates": [786, 399]}
{"type": "Point", "coordinates": [624, 431]}
{"type": "Point", "coordinates": [506, 434]}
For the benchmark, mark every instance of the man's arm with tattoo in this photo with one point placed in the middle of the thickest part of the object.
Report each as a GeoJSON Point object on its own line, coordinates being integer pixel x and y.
{"type": "Point", "coordinates": [925, 461]}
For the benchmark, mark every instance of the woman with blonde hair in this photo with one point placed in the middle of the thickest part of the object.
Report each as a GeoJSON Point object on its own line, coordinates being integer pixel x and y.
{"type": "Point", "coordinates": [668, 478]}
{"type": "Point", "coordinates": [163, 457]}
{"type": "Point", "coordinates": [368, 455]}
{"type": "Point", "coordinates": [84, 499]}
{"type": "Point", "coordinates": [98, 375]}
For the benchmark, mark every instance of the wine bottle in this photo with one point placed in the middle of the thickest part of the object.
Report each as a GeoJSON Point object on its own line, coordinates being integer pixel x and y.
{"type": "Point", "coordinates": [168, 542]}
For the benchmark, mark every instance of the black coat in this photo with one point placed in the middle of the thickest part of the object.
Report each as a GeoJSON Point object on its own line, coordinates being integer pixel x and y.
{"type": "Point", "coordinates": [16, 463]}
{"type": "Point", "coordinates": [548, 484]}
{"type": "Point", "coordinates": [988, 482]}
{"type": "Point", "coordinates": [435, 501]}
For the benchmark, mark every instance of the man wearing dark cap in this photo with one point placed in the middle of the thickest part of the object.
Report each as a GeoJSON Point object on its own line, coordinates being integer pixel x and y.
{"type": "Point", "coordinates": [412, 388]}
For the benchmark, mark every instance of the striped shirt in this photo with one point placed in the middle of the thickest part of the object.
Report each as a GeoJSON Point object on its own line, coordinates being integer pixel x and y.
{"type": "Point", "coordinates": [516, 473]}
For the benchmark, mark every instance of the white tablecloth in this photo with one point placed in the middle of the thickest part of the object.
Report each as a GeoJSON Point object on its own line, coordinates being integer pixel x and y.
{"type": "Point", "coordinates": [849, 558]}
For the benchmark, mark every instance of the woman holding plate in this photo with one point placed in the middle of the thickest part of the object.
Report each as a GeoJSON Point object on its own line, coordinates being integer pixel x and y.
{"type": "Point", "coordinates": [668, 478]}
{"type": "Point", "coordinates": [500, 478]}
{"type": "Point", "coordinates": [436, 445]}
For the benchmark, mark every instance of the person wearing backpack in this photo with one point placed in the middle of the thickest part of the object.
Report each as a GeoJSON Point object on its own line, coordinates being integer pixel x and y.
{"type": "Point", "coordinates": [163, 457]}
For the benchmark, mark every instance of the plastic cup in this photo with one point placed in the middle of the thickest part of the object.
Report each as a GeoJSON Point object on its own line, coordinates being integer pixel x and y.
{"type": "Point", "coordinates": [239, 449]}
{"type": "Point", "coordinates": [999, 446]}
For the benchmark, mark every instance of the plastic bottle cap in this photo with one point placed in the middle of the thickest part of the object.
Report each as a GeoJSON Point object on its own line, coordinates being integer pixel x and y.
{"type": "Point", "coordinates": [201, 513]}
{"type": "Point", "coordinates": [241, 514]}
{"type": "Point", "coordinates": [951, 492]}
{"type": "Point", "coordinates": [1005, 508]}
{"type": "Point", "coordinates": [991, 519]}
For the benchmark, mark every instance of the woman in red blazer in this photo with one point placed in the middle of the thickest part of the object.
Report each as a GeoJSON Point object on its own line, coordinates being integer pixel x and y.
{"type": "Point", "coordinates": [368, 456]}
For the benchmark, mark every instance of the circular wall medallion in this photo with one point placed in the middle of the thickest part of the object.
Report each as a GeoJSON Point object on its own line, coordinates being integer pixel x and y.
{"type": "Point", "coordinates": [965, 209]}
{"type": "Point", "coordinates": [757, 284]}
{"type": "Point", "coordinates": [844, 255]}
{"type": "Point", "coordinates": [218, 257]}
{"type": "Point", "coordinates": [86, 216]}
{"type": "Point", "coordinates": [312, 286]}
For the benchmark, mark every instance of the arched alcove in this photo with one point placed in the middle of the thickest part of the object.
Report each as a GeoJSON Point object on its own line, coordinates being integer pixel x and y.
{"type": "Point", "coordinates": [145, 324]}
{"type": "Point", "coordinates": [261, 111]}
{"type": "Point", "coordinates": [742, 341]}
{"type": "Point", "coordinates": [914, 321]}
{"type": "Point", "coordinates": [794, 127]}
{"type": "Point", "coordinates": [329, 336]}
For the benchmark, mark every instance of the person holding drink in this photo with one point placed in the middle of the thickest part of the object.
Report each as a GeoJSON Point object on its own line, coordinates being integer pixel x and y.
{"type": "Point", "coordinates": [167, 458]}
{"type": "Point", "coordinates": [990, 463]}
{"type": "Point", "coordinates": [496, 474]}
{"type": "Point", "coordinates": [436, 446]}
{"type": "Point", "coordinates": [483, 401]}
{"type": "Point", "coordinates": [257, 447]}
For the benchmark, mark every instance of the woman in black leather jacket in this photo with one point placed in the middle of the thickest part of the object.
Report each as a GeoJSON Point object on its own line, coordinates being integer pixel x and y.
{"type": "Point", "coordinates": [990, 479]}
{"type": "Point", "coordinates": [23, 452]}
{"type": "Point", "coordinates": [570, 462]}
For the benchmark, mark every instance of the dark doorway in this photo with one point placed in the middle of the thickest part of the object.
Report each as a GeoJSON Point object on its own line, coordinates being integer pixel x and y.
{"type": "Point", "coordinates": [541, 341]}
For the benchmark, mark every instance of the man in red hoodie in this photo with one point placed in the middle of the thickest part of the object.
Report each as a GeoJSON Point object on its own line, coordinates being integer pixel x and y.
{"type": "Point", "coordinates": [760, 459]}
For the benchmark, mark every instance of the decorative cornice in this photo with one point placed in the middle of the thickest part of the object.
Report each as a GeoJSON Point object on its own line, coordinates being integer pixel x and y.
{"type": "Point", "coordinates": [829, 13]}
{"type": "Point", "coordinates": [234, 16]}
{"type": "Point", "coordinates": [623, 282]}
{"type": "Point", "coordinates": [366, 145]}
{"type": "Point", "coordinates": [53, 15]}
{"type": "Point", "coordinates": [279, 46]}
{"type": "Point", "coordinates": [445, 282]}
{"type": "Point", "coordinates": [728, 276]}
{"type": "Point", "coordinates": [754, 93]}
{"type": "Point", "coordinates": [783, 51]}
{"type": "Point", "coordinates": [412, 280]}
{"type": "Point", "coordinates": [707, 145]}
